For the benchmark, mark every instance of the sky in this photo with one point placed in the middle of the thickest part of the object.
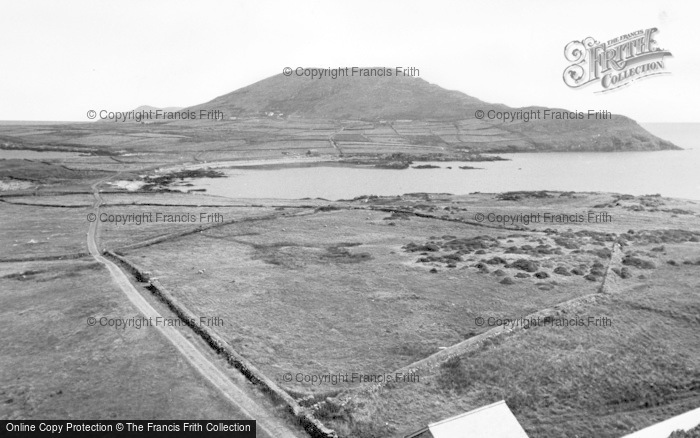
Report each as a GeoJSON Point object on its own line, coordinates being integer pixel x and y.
{"type": "Point", "coordinates": [62, 59]}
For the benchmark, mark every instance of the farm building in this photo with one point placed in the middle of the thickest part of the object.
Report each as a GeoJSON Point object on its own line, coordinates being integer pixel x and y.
{"type": "Point", "coordinates": [492, 421]}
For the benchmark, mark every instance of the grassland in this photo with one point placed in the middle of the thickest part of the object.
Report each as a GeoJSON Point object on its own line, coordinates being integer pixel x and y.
{"type": "Point", "coordinates": [53, 365]}
{"type": "Point", "coordinates": [355, 294]}
{"type": "Point", "coordinates": [350, 297]}
{"type": "Point", "coordinates": [367, 286]}
{"type": "Point", "coordinates": [30, 231]}
{"type": "Point", "coordinates": [572, 381]}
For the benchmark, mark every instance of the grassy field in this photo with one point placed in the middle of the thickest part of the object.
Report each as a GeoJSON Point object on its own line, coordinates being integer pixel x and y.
{"type": "Point", "coordinates": [352, 297]}
{"type": "Point", "coordinates": [53, 365]}
{"type": "Point", "coordinates": [34, 231]}
{"type": "Point", "coordinates": [310, 289]}
{"type": "Point", "coordinates": [371, 285]}
{"type": "Point", "coordinates": [601, 381]}
{"type": "Point", "coordinates": [110, 144]}
{"type": "Point", "coordinates": [116, 233]}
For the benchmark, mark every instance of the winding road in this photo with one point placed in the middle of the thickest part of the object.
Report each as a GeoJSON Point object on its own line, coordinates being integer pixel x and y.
{"type": "Point", "coordinates": [245, 406]}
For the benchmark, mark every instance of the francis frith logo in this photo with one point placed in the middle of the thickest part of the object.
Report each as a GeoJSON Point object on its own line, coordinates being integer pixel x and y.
{"type": "Point", "coordinates": [615, 63]}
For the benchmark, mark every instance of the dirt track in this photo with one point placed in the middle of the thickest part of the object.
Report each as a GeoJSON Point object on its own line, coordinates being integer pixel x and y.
{"type": "Point", "coordinates": [245, 406]}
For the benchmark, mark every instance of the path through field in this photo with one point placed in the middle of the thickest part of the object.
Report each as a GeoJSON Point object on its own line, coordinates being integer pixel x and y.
{"type": "Point", "coordinates": [245, 406]}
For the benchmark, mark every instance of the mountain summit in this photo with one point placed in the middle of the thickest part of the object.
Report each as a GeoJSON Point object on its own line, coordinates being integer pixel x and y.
{"type": "Point", "coordinates": [348, 98]}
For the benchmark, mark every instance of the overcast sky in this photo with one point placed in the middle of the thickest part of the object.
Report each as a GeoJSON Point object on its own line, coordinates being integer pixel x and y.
{"type": "Point", "coordinates": [61, 59]}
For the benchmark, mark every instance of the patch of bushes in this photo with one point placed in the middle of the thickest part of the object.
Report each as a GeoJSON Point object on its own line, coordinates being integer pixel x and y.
{"type": "Point", "coordinates": [638, 262]}
{"type": "Point", "coordinates": [597, 272]}
{"type": "Point", "coordinates": [560, 270]}
{"type": "Point", "coordinates": [412, 247]}
{"type": "Point", "coordinates": [566, 243]}
{"type": "Point", "coordinates": [650, 237]}
{"type": "Point", "coordinates": [331, 411]}
{"type": "Point", "coordinates": [471, 243]}
{"type": "Point", "coordinates": [603, 253]}
{"type": "Point", "coordinates": [496, 261]}
{"type": "Point", "coordinates": [524, 265]}
{"type": "Point", "coordinates": [450, 259]}
{"type": "Point", "coordinates": [341, 254]}
{"type": "Point", "coordinates": [453, 376]}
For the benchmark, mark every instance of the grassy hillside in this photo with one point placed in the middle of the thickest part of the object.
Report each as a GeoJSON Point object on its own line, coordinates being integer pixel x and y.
{"type": "Point", "coordinates": [413, 100]}
{"type": "Point", "coordinates": [355, 98]}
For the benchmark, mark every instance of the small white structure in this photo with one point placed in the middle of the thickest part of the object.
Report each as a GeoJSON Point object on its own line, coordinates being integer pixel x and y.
{"type": "Point", "coordinates": [665, 428]}
{"type": "Point", "coordinates": [492, 421]}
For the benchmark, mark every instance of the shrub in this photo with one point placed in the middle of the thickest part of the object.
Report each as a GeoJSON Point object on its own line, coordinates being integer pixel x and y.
{"type": "Point", "coordinates": [524, 265]}
{"type": "Point", "coordinates": [340, 254]}
{"type": "Point", "coordinates": [482, 268]}
{"type": "Point", "coordinates": [453, 375]}
{"type": "Point", "coordinates": [496, 261]}
{"type": "Point", "coordinates": [597, 272]}
{"type": "Point", "coordinates": [566, 243]}
{"type": "Point", "coordinates": [507, 281]}
{"type": "Point", "coordinates": [331, 411]}
{"type": "Point", "coordinates": [638, 262]}
{"type": "Point", "coordinates": [562, 271]}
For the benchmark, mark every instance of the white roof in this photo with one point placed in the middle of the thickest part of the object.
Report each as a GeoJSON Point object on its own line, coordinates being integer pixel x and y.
{"type": "Point", "coordinates": [685, 421]}
{"type": "Point", "coordinates": [492, 421]}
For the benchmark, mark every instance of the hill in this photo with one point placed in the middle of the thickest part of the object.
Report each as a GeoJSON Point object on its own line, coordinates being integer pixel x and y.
{"type": "Point", "coordinates": [450, 113]}
{"type": "Point", "coordinates": [348, 98]}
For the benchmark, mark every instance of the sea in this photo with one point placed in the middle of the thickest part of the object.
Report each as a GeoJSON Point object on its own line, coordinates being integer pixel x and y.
{"type": "Point", "coordinates": [668, 173]}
